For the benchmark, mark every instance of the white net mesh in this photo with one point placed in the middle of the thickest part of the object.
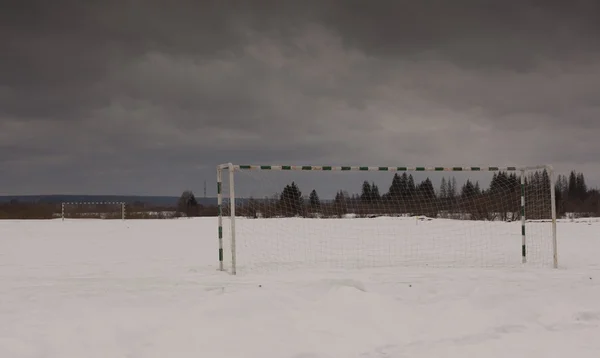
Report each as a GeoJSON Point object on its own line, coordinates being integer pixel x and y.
{"type": "Point", "coordinates": [358, 219]}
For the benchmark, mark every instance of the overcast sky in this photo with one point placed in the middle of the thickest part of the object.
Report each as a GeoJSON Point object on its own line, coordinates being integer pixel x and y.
{"type": "Point", "coordinates": [147, 97]}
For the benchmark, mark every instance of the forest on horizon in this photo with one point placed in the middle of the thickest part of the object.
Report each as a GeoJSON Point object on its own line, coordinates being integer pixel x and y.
{"type": "Point", "coordinates": [498, 200]}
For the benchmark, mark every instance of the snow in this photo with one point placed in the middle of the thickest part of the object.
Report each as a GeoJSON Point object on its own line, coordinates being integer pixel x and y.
{"type": "Point", "coordinates": [276, 244]}
{"type": "Point", "coordinates": [150, 288]}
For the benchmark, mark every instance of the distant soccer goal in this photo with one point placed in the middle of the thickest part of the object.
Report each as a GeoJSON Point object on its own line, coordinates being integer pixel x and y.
{"type": "Point", "coordinates": [313, 217]}
{"type": "Point", "coordinates": [93, 210]}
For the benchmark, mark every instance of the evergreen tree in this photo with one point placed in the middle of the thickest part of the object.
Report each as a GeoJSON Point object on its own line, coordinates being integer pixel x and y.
{"type": "Point", "coordinates": [514, 184]}
{"type": "Point", "coordinates": [411, 188]}
{"type": "Point", "coordinates": [315, 203]}
{"type": "Point", "coordinates": [451, 194]}
{"type": "Point", "coordinates": [468, 190]}
{"type": "Point", "coordinates": [341, 203]}
{"type": "Point", "coordinates": [443, 189]}
{"type": "Point", "coordinates": [561, 189]}
{"type": "Point", "coordinates": [395, 192]}
{"type": "Point", "coordinates": [409, 193]}
{"type": "Point", "coordinates": [375, 195]}
{"type": "Point", "coordinates": [562, 186]}
{"type": "Point", "coordinates": [291, 201]}
{"type": "Point", "coordinates": [366, 195]}
{"type": "Point", "coordinates": [426, 202]}
{"type": "Point", "coordinates": [572, 188]}
{"type": "Point", "coordinates": [395, 187]}
{"type": "Point", "coordinates": [494, 184]}
{"type": "Point", "coordinates": [187, 204]}
{"type": "Point", "coordinates": [581, 187]}
{"type": "Point", "coordinates": [477, 188]}
{"type": "Point", "coordinates": [425, 191]}
{"type": "Point", "coordinates": [452, 188]}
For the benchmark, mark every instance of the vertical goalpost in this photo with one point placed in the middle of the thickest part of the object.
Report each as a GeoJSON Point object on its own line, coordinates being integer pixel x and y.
{"type": "Point", "coordinates": [119, 204]}
{"type": "Point", "coordinates": [265, 222]}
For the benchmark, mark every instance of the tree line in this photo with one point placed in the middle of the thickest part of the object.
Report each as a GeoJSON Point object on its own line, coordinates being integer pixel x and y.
{"type": "Point", "coordinates": [500, 200]}
{"type": "Point", "coordinates": [574, 197]}
{"type": "Point", "coordinates": [186, 206]}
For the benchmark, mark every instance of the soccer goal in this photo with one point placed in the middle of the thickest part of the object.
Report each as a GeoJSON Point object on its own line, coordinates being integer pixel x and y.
{"type": "Point", "coordinates": [93, 210]}
{"type": "Point", "coordinates": [342, 217]}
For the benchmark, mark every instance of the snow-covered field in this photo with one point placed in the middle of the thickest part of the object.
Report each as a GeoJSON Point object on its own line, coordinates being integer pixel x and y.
{"type": "Point", "coordinates": [150, 288]}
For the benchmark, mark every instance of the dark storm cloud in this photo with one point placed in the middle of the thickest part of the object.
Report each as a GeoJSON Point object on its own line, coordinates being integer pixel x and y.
{"type": "Point", "coordinates": [148, 96]}
{"type": "Point", "coordinates": [508, 34]}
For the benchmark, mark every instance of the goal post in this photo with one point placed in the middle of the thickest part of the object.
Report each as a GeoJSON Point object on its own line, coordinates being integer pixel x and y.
{"type": "Point", "coordinates": [274, 217]}
{"type": "Point", "coordinates": [93, 210]}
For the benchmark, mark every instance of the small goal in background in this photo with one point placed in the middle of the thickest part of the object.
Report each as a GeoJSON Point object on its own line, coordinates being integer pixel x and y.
{"type": "Point", "coordinates": [93, 210]}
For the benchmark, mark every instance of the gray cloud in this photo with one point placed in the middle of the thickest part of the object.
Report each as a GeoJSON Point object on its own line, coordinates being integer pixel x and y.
{"type": "Point", "coordinates": [147, 97]}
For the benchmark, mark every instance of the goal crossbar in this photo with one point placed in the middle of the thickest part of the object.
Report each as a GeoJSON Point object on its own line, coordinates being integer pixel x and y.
{"type": "Point", "coordinates": [383, 168]}
{"type": "Point", "coordinates": [232, 168]}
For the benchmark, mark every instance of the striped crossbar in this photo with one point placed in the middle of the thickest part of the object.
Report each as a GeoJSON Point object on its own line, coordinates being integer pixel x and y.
{"type": "Point", "coordinates": [95, 203]}
{"type": "Point", "coordinates": [382, 168]}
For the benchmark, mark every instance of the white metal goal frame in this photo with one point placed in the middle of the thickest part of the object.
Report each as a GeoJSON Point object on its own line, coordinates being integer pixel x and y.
{"type": "Point", "coordinates": [231, 169]}
{"type": "Point", "coordinates": [121, 204]}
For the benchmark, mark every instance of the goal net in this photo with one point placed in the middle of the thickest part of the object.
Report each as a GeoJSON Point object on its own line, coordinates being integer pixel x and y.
{"type": "Point", "coordinates": [93, 210]}
{"type": "Point", "coordinates": [283, 217]}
